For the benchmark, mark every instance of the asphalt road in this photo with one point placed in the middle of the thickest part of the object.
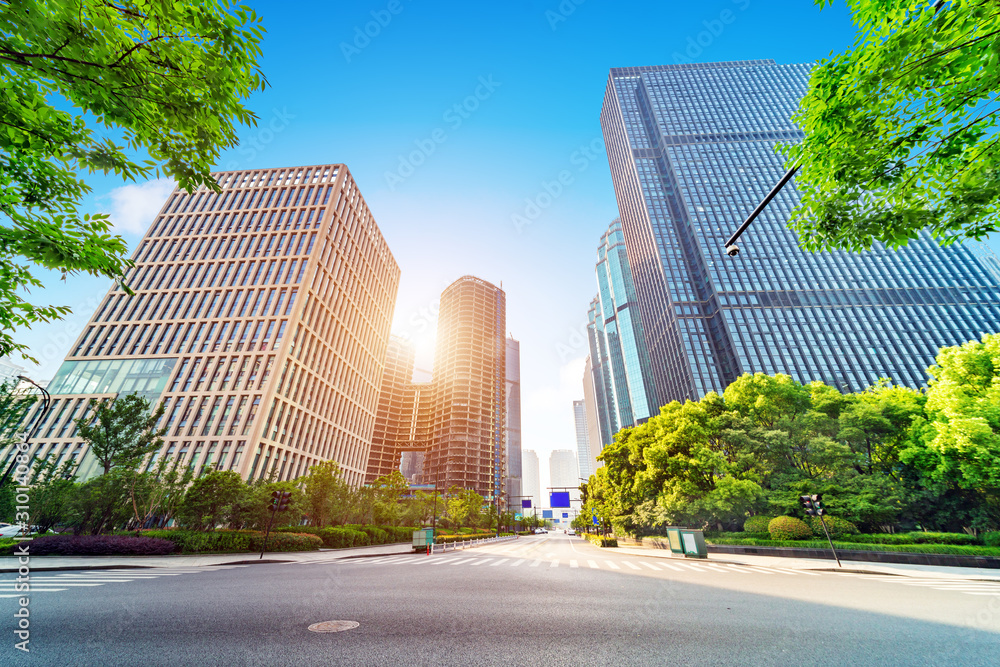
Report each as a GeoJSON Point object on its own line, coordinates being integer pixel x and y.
{"type": "Point", "coordinates": [542, 600]}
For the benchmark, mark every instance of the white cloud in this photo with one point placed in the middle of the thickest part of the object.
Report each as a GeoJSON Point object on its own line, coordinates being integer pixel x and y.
{"type": "Point", "coordinates": [134, 206]}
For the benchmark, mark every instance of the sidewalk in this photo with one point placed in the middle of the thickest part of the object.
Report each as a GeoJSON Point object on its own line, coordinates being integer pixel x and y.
{"type": "Point", "coordinates": [977, 573]}
{"type": "Point", "coordinates": [51, 563]}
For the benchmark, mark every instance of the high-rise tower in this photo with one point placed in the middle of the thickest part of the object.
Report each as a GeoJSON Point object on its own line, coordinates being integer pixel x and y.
{"type": "Point", "coordinates": [512, 443]}
{"type": "Point", "coordinates": [260, 319]}
{"type": "Point", "coordinates": [582, 439]}
{"type": "Point", "coordinates": [630, 394]}
{"type": "Point", "coordinates": [470, 387]}
{"type": "Point", "coordinates": [692, 151]}
{"type": "Point", "coordinates": [396, 410]}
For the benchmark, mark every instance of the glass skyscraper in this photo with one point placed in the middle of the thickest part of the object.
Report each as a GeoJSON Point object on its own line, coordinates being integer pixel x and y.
{"type": "Point", "coordinates": [629, 393]}
{"type": "Point", "coordinates": [692, 151]}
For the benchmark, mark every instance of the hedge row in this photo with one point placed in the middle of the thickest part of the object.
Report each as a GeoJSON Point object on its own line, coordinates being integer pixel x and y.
{"type": "Point", "coordinates": [223, 541]}
{"type": "Point", "coordinates": [94, 545]}
{"type": "Point", "coordinates": [600, 540]}
{"type": "Point", "coordinates": [915, 537]}
{"type": "Point", "coordinates": [339, 537]}
{"type": "Point", "coordinates": [855, 546]}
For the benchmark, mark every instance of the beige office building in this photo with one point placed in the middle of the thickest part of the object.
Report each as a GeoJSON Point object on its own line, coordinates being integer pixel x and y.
{"type": "Point", "coordinates": [260, 319]}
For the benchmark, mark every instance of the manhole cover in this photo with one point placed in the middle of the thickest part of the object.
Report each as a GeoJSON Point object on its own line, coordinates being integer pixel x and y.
{"type": "Point", "coordinates": [333, 626]}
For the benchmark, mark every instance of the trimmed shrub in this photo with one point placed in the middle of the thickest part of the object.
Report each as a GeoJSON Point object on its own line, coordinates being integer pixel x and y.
{"type": "Point", "coordinates": [100, 545]}
{"type": "Point", "coordinates": [375, 534]}
{"type": "Point", "coordinates": [600, 540]}
{"type": "Point", "coordinates": [992, 539]}
{"type": "Point", "coordinates": [336, 537]}
{"type": "Point", "coordinates": [916, 537]}
{"type": "Point", "coordinates": [958, 550]}
{"type": "Point", "coordinates": [223, 541]}
{"type": "Point", "coordinates": [788, 528]}
{"type": "Point", "coordinates": [838, 527]}
{"type": "Point", "coordinates": [756, 524]}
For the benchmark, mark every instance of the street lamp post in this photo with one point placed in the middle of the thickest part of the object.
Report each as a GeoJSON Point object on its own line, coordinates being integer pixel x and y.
{"type": "Point", "coordinates": [730, 245]}
{"type": "Point", "coordinates": [36, 422]}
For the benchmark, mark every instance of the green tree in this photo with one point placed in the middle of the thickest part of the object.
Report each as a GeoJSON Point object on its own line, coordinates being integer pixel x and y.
{"type": "Point", "coordinates": [122, 431]}
{"type": "Point", "coordinates": [326, 495]}
{"type": "Point", "coordinates": [165, 80]}
{"type": "Point", "coordinates": [900, 129]}
{"type": "Point", "coordinates": [209, 500]}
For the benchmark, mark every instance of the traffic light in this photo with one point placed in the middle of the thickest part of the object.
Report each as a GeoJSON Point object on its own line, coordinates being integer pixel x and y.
{"type": "Point", "coordinates": [275, 500]}
{"type": "Point", "coordinates": [813, 504]}
{"type": "Point", "coordinates": [284, 500]}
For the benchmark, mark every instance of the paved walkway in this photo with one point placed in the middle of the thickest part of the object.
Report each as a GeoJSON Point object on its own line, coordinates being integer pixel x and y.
{"type": "Point", "coordinates": [823, 564]}
{"type": "Point", "coordinates": [49, 563]}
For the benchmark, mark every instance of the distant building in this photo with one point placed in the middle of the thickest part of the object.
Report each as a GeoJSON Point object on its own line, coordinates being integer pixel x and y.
{"type": "Point", "coordinates": [563, 473]}
{"type": "Point", "coordinates": [530, 481]}
{"type": "Point", "coordinates": [512, 446]}
{"type": "Point", "coordinates": [631, 397]}
{"type": "Point", "coordinates": [469, 425]}
{"type": "Point", "coordinates": [583, 456]}
{"type": "Point", "coordinates": [593, 420]}
{"type": "Point", "coordinates": [9, 372]}
{"type": "Point", "coordinates": [395, 414]}
{"type": "Point", "coordinates": [260, 321]}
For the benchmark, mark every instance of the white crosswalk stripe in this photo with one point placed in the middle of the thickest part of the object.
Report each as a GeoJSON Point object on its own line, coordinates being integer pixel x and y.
{"type": "Point", "coordinates": [625, 562]}
{"type": "Point", "coordinates": [612, 565]}
{"type": "Point", "coordinates": [573, 563]}
{"type": "Point", "coordinates": [555, 563]}
{"type": "Point", "coordinates": [593, 564]}
{"type": "Point", "coordinates": [55, 582]}
{"type": "Point", "coordinates": [499, 562]}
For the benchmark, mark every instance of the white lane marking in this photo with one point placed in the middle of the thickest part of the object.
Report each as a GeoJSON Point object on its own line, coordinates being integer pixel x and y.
{"type": "Point", "coordinates": [625, 562]}
{"type": "Point", "coordinates": [808, 574]}
{"type": "Point", "coordinates": [445, 560]}
{"type": "Point", "coordinates": [5, 586]}
{"type": "Point", "coordinates": [786, 571]}
{"type": "Point", "coordinates": [716, 568]}
{"type": "Point", "coordinates": [573, 563]}
{"type": "Point", "coordinates": [671, 567]}
{"type": "Point", "coordinates": [502, 560]}
{"type": "Point", "coordinates": [517, 562]}
{"type": "Point", "coordinates": [481, 561]}
{"type": "Point", "coordinates": [612, 565]}
{"type": "Point", "coordinates": [555, 563]}
{"type": "Point", "coordinates": [535, 564]}
{"type": "Point", "coordinates": [651, 567]}
{"type": "Point", "coordinates": [593, 564]}
{"type": "Point", "coordinates": [462, 561]}
{"type": "Point", "coordinates": [688, 566]}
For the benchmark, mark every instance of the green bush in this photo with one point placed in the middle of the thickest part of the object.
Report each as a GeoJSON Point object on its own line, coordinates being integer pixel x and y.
{"type": "Point", "coordinates": [375, 534]}
{"type": "Point", "coordinates": [232, 541]}
{"type": "Point", "coordinates": [600, 540]}
{"type": "Point", "coordinates": [992, 539]}
{"type": "Point", "coordinates": [756, 524]}
{"type": "Point", "coordinates": [788, 528]}
{"type": "Point", "coordinates": [948, 549]}
{"type": "Point", "coordinates": [837, 526]}
{"type": "Point", "coordinates": [763, 535]}
{"type": "Point", "coordinates": [916, 537]}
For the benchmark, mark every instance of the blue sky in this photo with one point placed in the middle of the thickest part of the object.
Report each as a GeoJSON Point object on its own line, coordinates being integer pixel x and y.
{"type": "Point", "coordinates": [529, 78]}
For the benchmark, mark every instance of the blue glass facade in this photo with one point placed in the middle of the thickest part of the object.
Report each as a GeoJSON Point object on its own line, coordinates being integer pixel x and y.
{"type": "Point", "coordinates": [629, 389]}
{"type": "Point", "coordinates": [607, 417]}
{"type": "Point", "coordinates": [692, 151]}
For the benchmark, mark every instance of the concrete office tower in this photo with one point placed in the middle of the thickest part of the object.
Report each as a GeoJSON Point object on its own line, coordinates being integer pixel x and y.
{"type": "Point", "coordinates": [260, 319]}
{"type": "Point", "coordinates": [583, 457]}
{"type": "Point", "coordinates": [512, 444]}
{"type": "Point", "coordinates": [563, 473]}
{"type": "Point", "coordinates": [615, 318]}
{"type": "Point", "coordinates": [469, 422]}
{"type": "Point", "coordinates": [692, 152]}
{"type": "Point", "coordinates": [530, 479]}
{"type": "Point", "coordinates": [395, 414]}
{"type": "Point", "coordinates": [593, 424]}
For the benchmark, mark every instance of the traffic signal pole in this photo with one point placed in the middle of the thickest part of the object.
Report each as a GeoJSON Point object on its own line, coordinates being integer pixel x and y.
{"type": "Point", "coordinates": [813, 506]}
